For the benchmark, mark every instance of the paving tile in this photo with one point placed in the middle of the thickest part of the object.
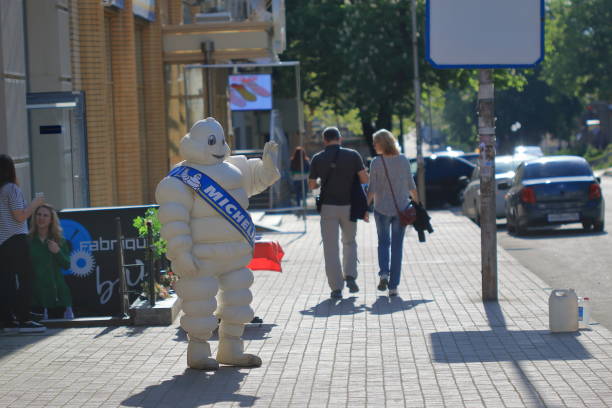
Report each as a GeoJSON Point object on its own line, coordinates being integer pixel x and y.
{"type": "Point", "coordinates": [436, 344]}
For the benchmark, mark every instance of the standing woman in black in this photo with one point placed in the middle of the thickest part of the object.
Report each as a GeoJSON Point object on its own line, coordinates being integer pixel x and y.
{"type": "Point", "coordinates": [16, 274]}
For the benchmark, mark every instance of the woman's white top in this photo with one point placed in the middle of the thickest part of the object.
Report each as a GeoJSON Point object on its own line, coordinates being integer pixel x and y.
{"type": "Point", "coordinates": [11, 199]}
{"type": "Point", "coordinates": [401, 179]}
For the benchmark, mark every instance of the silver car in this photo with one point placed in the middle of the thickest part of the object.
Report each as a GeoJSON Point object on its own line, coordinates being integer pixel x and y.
{"type": "Point", "coordinates": [504, 172]}
{"type": "Point", "coordinates": [528, 151]}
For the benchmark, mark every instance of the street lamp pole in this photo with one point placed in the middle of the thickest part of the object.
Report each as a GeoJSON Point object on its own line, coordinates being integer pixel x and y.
{"type": "Point", "coordinates": [417, 110]}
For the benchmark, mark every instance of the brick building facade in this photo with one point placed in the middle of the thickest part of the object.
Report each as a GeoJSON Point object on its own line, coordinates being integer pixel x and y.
{"type": "Point", "coordinates": [93, 99]}
{"type": "Point", "coordinates": [120, 62]}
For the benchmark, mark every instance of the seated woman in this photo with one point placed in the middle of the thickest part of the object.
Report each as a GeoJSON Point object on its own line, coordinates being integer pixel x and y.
{"type": "Point", "coordinates": [49, 253]}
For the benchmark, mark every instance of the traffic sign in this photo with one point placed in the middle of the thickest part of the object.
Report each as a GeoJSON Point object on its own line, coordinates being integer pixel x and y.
{"type": "Point", "coordinates": [484, 33]}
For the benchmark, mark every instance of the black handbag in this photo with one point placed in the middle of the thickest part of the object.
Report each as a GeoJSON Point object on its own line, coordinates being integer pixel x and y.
{"type": "Point", "coordinates": [319, 198]}
{"type": "Point", "coordinates": [408, 215]}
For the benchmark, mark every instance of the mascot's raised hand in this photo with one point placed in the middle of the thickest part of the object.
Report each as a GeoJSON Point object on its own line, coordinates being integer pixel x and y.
{"type": "Point", "coordinates": [270, 153]}
{"type": "Point", "coordinates": [203, 203]}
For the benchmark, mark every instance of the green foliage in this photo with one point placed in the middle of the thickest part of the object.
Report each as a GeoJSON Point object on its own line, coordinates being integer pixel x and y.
{"type": "Point", "coordinates": [538, 111]}
{"type": "Point", "coordinates": [578, 48]}
{"type": "Point", "coordinates": [324, 115]}
{"type": "Point", "coordinates": [529, 101]}
{"type": "Point", "coordinates": [140, 223]}
{"type": "Point", "coordinates": [357, 54]}
{"type": "Point", "coordinates": [460, 114]}
{"type": "Point", "coordinates": [599, 158]}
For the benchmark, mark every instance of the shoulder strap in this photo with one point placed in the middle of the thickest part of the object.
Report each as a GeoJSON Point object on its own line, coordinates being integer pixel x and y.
{"type": "Point", "coordinates": [331, 167]}
{"type": "Point", "coordinates": [389, 181]}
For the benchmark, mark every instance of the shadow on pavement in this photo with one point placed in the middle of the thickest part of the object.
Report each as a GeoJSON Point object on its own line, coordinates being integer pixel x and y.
{"type": "Point", "coordinates": [346, 306]}
{"type": "Point", "coordinates": [251, 332]}
{"type": "Point", "coordinates": [390, 304]}
{"type": "Point", "coordinates": [195, 388]}
{"type": "Point", "coordinates": [13, 342]}
{"type": "Point", "coordinates": [501, 344]}
{"type": "Point", "coordinates": [130, 332]}
{"type": "Point", "coordinates": [331, 307]}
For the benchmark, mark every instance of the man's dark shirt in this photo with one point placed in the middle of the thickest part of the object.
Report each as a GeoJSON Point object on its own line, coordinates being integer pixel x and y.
{"type": "Point", "coordinates": [340, 179]}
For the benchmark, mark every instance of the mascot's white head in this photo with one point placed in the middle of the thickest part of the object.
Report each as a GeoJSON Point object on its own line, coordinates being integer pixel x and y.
{"type": "Point", "coordinates": [205, 143]}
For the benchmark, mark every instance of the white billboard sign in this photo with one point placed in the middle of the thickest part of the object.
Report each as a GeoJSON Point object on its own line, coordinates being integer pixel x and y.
{"type": "Point", "coordinates": [484, 33]}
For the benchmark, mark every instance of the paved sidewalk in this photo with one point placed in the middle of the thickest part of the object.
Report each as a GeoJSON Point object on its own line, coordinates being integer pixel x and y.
{"type": "Point", "coordinates": [435, 345]}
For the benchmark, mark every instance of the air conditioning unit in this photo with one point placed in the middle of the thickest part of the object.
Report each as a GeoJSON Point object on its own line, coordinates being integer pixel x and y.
{"type": "Point", "coordinates": [216, 17]}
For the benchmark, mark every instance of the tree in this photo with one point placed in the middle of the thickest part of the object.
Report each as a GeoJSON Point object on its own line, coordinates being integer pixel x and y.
{"type": "Point", "coordinates": [579, 45]}
{"type": "Point", "coordinates": [357, 54]}
{"type": "Point", "coordinates": [535, 105]}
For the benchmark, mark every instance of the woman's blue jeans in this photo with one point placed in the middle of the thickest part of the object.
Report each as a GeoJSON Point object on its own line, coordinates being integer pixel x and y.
{"type": "Point", "coordinates": [300, 187]}
{"type": "Point", "coordinates": [390, 237]}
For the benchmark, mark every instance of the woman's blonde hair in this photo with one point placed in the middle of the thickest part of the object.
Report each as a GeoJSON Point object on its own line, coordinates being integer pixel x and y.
{"type": "Point", "coordinates": [386, 141]}
{"type": "Point", "coordinates": [55, 228]}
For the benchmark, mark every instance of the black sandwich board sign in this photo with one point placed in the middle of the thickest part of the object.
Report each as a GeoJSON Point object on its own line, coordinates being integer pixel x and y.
{"type": "Point", "coordinates": [93, 277]}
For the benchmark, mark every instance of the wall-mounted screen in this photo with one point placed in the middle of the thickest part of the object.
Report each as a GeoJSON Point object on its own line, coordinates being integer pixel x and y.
{"type": "Point", "coordinates": [250, 92]}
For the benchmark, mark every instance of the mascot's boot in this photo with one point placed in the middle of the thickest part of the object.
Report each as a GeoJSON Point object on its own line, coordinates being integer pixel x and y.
{"type": "Point", "coordinates": [199, 356]}
{"type": "Point", "coordinates": [198, 305]}
{"type": "Point", "coordinates": [234, 311]}
{"type": "Point", "coordinates": [231, 352]}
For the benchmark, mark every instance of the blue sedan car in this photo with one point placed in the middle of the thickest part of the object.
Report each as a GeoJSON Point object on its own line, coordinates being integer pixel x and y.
{"type": "Point", "coordinates": [554, 190]}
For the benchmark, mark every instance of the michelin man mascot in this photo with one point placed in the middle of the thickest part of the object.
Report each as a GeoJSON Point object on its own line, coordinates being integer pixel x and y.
{"type": "Point", "coordinates": [210, 234]}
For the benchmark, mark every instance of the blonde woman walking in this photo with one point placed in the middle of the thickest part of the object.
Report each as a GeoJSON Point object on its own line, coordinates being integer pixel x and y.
{"type": "Point", "coordinates": [389, 176]}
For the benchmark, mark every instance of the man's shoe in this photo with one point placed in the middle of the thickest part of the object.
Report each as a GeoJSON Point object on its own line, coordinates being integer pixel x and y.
{"type": "Point", "coordinates": [37, 317]}
{"type": "Point", "coordinates": [384, 281]}
{"type": "Point", "coordinates": [351, 284]}
{"type": "Point", "coordinates": [31, 327]}
{"type": "Point", "coordinates": [336, 294]}
{"type": "Point", "coordinates": [392, 292]}
{"type": "Point", "coordinates": [10, 327]}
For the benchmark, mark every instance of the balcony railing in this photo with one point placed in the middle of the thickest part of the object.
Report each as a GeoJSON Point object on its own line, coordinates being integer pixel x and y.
{"type": "Point", "coordinates": [235, 10]}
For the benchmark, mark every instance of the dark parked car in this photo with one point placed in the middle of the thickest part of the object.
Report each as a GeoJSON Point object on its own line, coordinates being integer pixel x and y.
{"type": "Point", "coordinates": [445, 178]}
{"type": "Point", "coordinates": [554, 190]}
{"type": "Point", "coordinates": [471, 157]}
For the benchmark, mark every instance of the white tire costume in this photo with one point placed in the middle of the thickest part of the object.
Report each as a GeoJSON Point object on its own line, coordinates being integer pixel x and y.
{"type": "Point", "coordinates": [207, 253]}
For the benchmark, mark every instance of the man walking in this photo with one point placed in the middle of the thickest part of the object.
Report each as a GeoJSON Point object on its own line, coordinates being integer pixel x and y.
{"type": "Point", "coordinates": [337, 167]}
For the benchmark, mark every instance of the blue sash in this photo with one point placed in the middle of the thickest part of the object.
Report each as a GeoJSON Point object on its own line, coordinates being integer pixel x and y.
{"type": "Point", "coordinates": [218, 198]}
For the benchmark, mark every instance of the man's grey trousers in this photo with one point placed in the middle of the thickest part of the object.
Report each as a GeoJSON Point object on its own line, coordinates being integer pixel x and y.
{"type": "Point", "coordinates": [333, 219]}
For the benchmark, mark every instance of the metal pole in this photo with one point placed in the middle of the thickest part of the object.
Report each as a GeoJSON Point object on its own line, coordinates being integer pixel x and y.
{"type": "Point", "coordinates": [150, 264]}
{"type": "Point", "coordinates": [207, 48]}
{"type": "Point", "coordinates": [417, 110]}
{"type": "Point", "coordinates": [400, 139]}
{"type": "Point", "coordinates": [488, 227]}
{"type": "Point", "coordinates": [300, 127]}
{"type": "Point", "coordinates": [123, 292]}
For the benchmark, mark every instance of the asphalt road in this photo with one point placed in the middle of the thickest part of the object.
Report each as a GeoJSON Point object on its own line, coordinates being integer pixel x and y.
{"type": "Point", "coordinates": [568, 257]}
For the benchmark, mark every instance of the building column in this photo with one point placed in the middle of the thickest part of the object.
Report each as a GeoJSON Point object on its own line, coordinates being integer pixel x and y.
{"type": "Point", "coordinates": [14, 139]}
{"type": "Point", "coordinates": [175, 11]}
{"type": "Point", "coordinates": [95, 81]}
{"type": "Point", "coordinates": [157, 161]}
{"type": "Point", "coordinates": [128, 145]}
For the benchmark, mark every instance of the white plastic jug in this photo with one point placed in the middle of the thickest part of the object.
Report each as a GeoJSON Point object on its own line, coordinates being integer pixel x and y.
{"type": "Point", "coordinates": [563, 311]}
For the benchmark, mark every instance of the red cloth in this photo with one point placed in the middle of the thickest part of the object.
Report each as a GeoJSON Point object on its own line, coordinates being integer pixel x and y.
{"type": "Point", "coordinates": [267, 256]}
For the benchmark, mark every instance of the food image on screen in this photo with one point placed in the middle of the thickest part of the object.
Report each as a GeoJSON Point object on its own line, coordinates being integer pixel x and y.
{"type": "Point", "coordinates": [250, 92]}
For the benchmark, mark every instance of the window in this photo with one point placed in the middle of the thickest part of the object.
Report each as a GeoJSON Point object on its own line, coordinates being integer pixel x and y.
{"type": "Point", "coordinates": [565, 168]}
